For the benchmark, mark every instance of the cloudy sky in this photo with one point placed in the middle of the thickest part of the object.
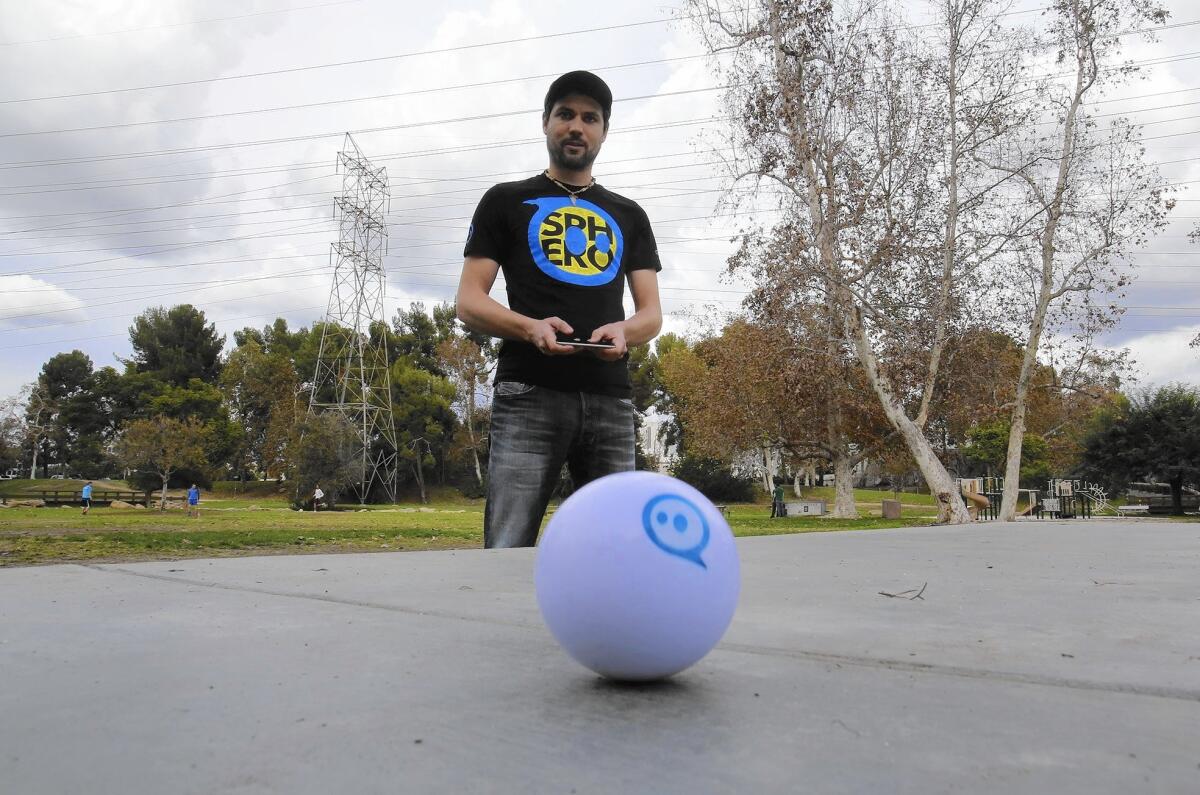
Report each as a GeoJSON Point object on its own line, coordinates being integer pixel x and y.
{"type": "Point", "coordinates": [155, 152]}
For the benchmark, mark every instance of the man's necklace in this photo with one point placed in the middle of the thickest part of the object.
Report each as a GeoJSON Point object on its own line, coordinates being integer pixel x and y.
{"type": "Point", "coordinates": [570, 192]}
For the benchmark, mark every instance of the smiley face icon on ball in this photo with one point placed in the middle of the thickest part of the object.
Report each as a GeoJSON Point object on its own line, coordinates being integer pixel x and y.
{"type": "Point", "coordinates": [677, 527]}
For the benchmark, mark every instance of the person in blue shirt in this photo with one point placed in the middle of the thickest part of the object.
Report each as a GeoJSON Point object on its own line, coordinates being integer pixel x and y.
{"type": "Point", "coordinates": [194, 501]}
{"type": "Point", "coordinates": [87, 497]}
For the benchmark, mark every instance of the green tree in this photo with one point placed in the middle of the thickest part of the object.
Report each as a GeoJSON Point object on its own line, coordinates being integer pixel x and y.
{"type": "Point", "coordinates": [176, 345]}
{"type": "Point", "coordinates": [1152, 434]}
{"type": "Point", "coordinates": [988, 445]}
{"type": "Point", "coordinates": [418, 334]}
{"type": "Point", "coordinates": [258, 387]}
{"type": "Point", "coordinates": [422, 405]}
{"type": "Point", "coordinates": [650, 384]}
{"type": "Point", "coordinates": [162, 445]}
{"type": "Point", "coordinates": [197, 398]}
{"type": "Point", "coordinates": [76, 418]}
{"type": "Point", "coordinates": [302, 346]}
{"type": "Point", "coordinates": [714, 479]}
{"type": "Point", "coordinates": [325, 452]}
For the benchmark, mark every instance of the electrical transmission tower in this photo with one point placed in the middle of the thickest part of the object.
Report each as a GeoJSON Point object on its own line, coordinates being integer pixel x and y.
{"type": "Point", "coordinates": [352, 376]}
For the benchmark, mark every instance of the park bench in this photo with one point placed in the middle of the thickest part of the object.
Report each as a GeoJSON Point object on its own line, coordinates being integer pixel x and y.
{"type": "Point", "coordinates": [100, 497]}
{"type": "Point", "coordinates": [1132, 510]}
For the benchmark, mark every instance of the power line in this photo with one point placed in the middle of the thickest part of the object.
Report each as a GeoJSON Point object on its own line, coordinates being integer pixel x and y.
{"type": "Point", "coordinates": [295, 166]}
{"type": "Point", "coordinates": [170, 220]}
{"type": "Point", "coordinates": [356, 62]}
{"type": "Point", "coordinates": [61, 268]}
{"type": "Point", "coordinates": [89, 186]}
{"type": "Point", "coordinates": [461, 48]}
{"type": "Point", "coordinates": [206, 284]}
{"type": "Point", "coordinates": [1152, 61]}
{"type": "Point", "coordinates": [116, 213]}
{"type": "Point", "coordinates": [159, 268]}
{"type": "Point", "coordinates": [363, 130]}
{"type": "Point", "coordinates": [152, 245]}
{"type": "Point", "coordinates": [327, 103]}
{"type": "Point", "coordinates": [472, 190]}
{"type": "Point", "coordinates": [175, 24]}
{"type": "Point", "coordinates": [440, 222]}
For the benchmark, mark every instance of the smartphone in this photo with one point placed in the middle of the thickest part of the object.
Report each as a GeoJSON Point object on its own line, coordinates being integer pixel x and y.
{"type": "Point", "coordinates": [577, 342]}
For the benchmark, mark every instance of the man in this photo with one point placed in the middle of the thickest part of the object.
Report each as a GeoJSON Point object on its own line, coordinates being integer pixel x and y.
{"type": "Point", "coordinates": [87, 497]}
{"type": "Point", "coordinates": [318, 495]}
{"type": "Point", "coordinates": [193, 497]}
{"type": "Point", "coordinates": [567, 247]}
{"type": "Point", "coordinates": [778, 509]}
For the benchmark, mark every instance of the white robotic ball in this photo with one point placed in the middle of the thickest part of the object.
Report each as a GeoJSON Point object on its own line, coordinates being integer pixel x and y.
{"type": "Point", "coordinates": [637, 576]}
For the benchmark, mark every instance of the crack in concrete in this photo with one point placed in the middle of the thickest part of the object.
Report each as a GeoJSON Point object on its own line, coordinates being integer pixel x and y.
{"type": "Point", "coordinates": [1175, 693]}
{"type": "Point", "coordinates": [307, 595]}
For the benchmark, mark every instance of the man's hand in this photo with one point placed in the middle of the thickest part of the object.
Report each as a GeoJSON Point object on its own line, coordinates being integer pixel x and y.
{"type": "Point", "coordinates": [543, 334]}
{"type": "Point", "coordinates": [614, 333]}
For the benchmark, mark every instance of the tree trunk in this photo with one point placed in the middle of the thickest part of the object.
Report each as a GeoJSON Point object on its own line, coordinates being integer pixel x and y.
{"type": "Point", "coordinates": [420, 473]}
{"type": "Point", "coordinates": [768, 478]}
{"type": "Point", "coordinates": [843, 484]}
{"type": "Point", "coordinates": [471, 426]}
{"type": "Point", "coordinates": [941, 485]}
{"type": "Point", "coordinates": [1054, 208]}
{"type": "Point", "coordinates": [950, 239]}
{"type": "Point", "coordinates": [1016, 431]}
{"type": "Point", "coordinates": [1012, 462]}
{"type": "Point", "coordinates": [796, 483]}
{"type": "Point", "coordinates": [1177, 495]}
{"type": "Point", "coordinates": [33, 466]}
{"type": "Point", "coordinates": [162, 500]}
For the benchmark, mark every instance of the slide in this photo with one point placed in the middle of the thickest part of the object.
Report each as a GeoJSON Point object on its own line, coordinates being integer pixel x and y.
{"type": "Point", "coordinates": [975, 502]}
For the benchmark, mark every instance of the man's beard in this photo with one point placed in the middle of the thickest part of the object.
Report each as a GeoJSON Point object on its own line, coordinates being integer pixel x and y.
{"type": "Point", "coordinates": [568, 162]}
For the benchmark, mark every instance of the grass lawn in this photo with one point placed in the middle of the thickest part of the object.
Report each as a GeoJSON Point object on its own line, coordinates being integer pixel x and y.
{"type": "Point", "coordinates": [258, 521]}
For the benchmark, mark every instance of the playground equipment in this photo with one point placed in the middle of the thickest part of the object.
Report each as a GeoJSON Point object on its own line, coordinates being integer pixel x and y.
{"type": "Point", "coordinates": [1062, 498]}
{"type": "Point", "coordinates": [1099, 498]}
{"type": "Point", "coordinates": [972, 492]}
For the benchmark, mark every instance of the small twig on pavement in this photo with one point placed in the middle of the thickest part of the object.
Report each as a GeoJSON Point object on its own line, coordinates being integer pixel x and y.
{"type": "Point", "coordinates": [905, 594]}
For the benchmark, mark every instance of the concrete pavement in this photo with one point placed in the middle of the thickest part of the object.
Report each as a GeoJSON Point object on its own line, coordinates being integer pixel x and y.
{"type": "Point", "coordinates": [1041, 657]}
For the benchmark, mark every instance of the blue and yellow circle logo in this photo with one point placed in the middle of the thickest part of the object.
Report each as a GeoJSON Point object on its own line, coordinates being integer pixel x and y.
{"type": "Point", "coordinates": [575, 243]}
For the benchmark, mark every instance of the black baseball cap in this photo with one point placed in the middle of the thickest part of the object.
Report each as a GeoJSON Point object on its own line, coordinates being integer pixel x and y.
{"type": "Point", "coordinates": [580, 82]}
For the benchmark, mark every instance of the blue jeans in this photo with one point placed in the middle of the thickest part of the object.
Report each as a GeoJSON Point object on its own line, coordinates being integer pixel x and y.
{"type": "Point", "coordinates": [534, 431]}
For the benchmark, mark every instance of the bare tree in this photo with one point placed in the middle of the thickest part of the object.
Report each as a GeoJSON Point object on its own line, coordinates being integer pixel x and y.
{"type": "Point", "coordinates": [39, 413]}
{"type": "Point", "coordinates": [468, 367]}
{"type": "Point", "coordinates": [1091, 197]}
{"type": "Point", "coordinates": [867, 134]}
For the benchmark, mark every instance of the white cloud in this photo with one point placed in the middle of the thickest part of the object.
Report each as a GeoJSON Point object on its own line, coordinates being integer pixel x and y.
{"type": "Point", "coordinates": [1164, 357]}
{"type": "Point", "coordinates": [27, 303]}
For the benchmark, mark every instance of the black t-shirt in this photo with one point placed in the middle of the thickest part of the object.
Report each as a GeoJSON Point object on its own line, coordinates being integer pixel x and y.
{"type": "Point", "coordinates": [565, 260]}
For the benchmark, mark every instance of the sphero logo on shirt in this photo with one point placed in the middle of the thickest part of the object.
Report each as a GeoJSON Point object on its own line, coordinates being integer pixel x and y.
{"type": "Point", "coordinates": [575, 243]}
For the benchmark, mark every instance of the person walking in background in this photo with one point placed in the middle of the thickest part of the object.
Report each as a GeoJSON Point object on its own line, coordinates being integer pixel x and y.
{"type": "Point", "coordinates": [87, 497]}
{"type": "Point", "coordinates": [318, 495]}
{"type": "Point", "coordinates": [193, 496]}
